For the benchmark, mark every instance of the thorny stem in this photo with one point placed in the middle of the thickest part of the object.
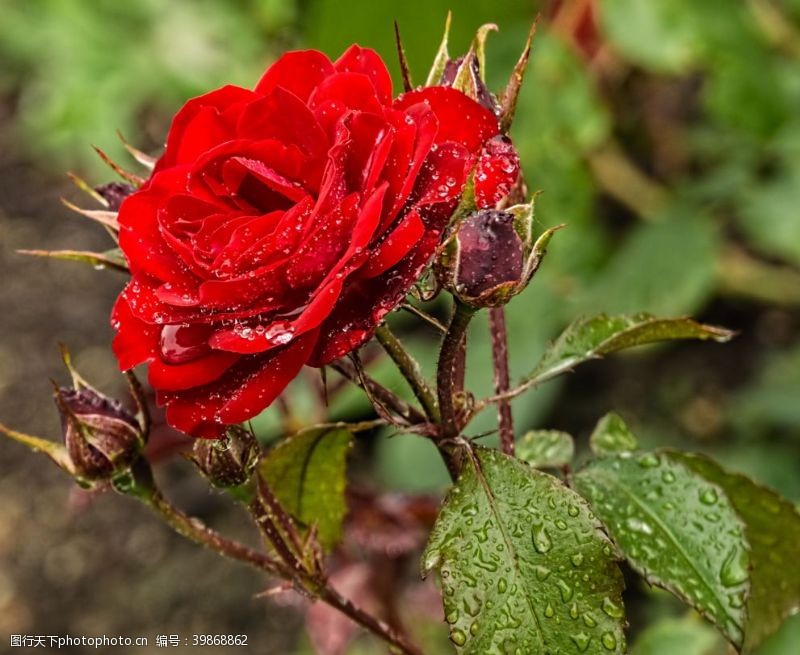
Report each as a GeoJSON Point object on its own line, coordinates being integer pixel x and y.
{"type": "Point", "coordinates": [194, 530]}
{"type": "Point", "coordinates": [410, 370]}
{"type": "Point", "coordinates": [497, 328]}
{"type": "Point", "coordinates": [449, 426]}
{"type": "Point", "coordinates": [374, 625]}
{"type": "Point", "coordinates": [387, 397]}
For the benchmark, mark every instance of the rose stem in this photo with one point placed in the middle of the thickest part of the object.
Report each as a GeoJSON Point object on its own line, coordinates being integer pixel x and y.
{"type": "Point", "coordinates": [410, 369]}
{"type": "Point", "coordinates": [195, 530]}
{"type": "Point", "coordinates": [411, 414]}
{"type": "Point", "coordinates": [445, 380]}
{"type": "Point", "coordinates": [497, 328]}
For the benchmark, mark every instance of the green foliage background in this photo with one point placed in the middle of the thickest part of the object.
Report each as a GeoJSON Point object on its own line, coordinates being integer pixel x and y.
{"type": "Point", "coordinates": [677, 170]}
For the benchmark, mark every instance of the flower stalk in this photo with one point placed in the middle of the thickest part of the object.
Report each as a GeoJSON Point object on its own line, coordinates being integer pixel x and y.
{"type": "Point", "coordinates": [499, 333]}
{"type": "Point", "coordinates": [410, 370]}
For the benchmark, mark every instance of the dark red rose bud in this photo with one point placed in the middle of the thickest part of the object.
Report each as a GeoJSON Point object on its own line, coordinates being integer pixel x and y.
{"type": "Point", "coordinates": [492, 256]}
{"type": "Point", "coordinates": [227, 462]}
{"type": "Point", "coordinates": [114, 193]}
{"type": "Point", "coordinates": [101, 437]}
{"type": "Point", "coordinates": [496, 172]}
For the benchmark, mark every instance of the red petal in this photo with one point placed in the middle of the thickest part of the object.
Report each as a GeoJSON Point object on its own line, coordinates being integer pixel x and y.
{"type": "Point", "coordinates": [140, 236]}
{"type": "Point", "coordinates": [283, 116]}
{"type": "Point", "coordinates": [395, 246]}
{"type": "Point", "coordinates": [342, 92]}
{"type": "Point", "coordinates": [181, 147]}
{"type": "Point", "coordinates": [299, 71]}
{"type": "Point", "coordinates": [177, 377]}
{"type": "Point", "coordinates": [259, 389]}
{"type": "Point", "coordinates": [136, 341]}
{"type": "Point", "coordinates": [363, 60]}
{"type": "Point", "coordinates": [461, 119]}
{"type": "Point", "coordinates": [258, 337]}
{"type": "Point", "coordinates": [496, 172]}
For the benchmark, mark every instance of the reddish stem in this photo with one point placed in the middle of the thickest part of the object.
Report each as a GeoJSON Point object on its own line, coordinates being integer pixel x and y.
{"type": "Point", "coordinates": [497, 328]}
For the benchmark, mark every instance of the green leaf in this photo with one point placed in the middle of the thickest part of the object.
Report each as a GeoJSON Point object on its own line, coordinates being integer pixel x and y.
{"type": "Point", "coordinates": [524, 564]}
{"type": "Point", "coordinates": [664, 283]}
{"type": "Point", "coordinates": [306, 472]}
{"type": "Point", "coordinates": [768, 215]}
{"type": "Point", "coordinates": [546, 448]}
{"type": "Point", "coordinates": [687, 635]}
{"type": "Point", "coordinates": [676, 529]}
{"type": "Point", "coordinates": [772, 527]}
{"type": "Point", "coordinates": [594, 337]}
{"type": "Point", "coordinates": [611, 435]}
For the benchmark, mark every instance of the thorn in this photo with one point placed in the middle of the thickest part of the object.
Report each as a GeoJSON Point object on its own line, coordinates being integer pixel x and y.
{"type": "Point", "coordinates": [280, 588]}
{"type": "Point", "coordinates": [401, 55]}
{"type": "Point", "coordinates": [508, 103]}
{"type": "Point", "coordinates": [144, 159]}
{"type": "Point", "coordinates": [105, 218]}
{"type": "Point", "coordinates": [125, 175]}
{"type": "Point", "coordinates": [84, 186]}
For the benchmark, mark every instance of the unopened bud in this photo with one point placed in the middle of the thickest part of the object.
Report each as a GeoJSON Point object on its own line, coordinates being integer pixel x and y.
{"type": "Point", "coordinates": [227, 462]}
{"type": "Point", "coordinates": [114, 193]}
{"type": "Point", "coordinates": [101, 437]}
{"type": "Point", "coordinates": [491, 256]}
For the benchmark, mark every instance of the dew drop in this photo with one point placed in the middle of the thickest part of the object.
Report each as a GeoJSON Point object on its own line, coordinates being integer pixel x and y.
{"type": "Point", "coordinates": [649, 461]}
{"type": "Point", "coordinates": [565, 590]}
{"type": "Point", "coordinates": [709, 496]}
{"type": "Point", "coordinates": [541, 540]}
{"type": "Point", "coordinates": [458, 637]}
{"type": "Point", "coordinates": [609, 641]}
{"type": "Point", "coordinates": [581, 640]}
{"type": "Point", "coordinates": [612, 609]}
{"type": "Point", "coordinates": [734, 568]}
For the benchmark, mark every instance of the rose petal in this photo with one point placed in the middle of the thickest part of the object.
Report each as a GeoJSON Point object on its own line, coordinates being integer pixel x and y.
{"type": "Point", "coordinates": [299, 72]}
{"type": "Point", "coordinates": [177, 377]}
{"type": "Point", "coordinates": [461, 119]}
{"type": "Point", "coordinates": [136, 341]}
{"type": "Point", "coordinates": [364, 60]}
{"type": "Point", "coordinates": [180, 147]}
{"type": "Point", "coordinates": [396, 246]}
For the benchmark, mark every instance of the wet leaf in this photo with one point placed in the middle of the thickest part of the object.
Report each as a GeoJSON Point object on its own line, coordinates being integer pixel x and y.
{"type": "Point", "coordinates": [524, 564]}
{"type": "Point", "coordinates": [546, 448]}
{"type": "Point", "coordinates": [611, 435]}
{"type": "Point", "coordinates": [772, 527]}
{"type": "Point", "coordinates": [306, 473]}
{"type": "Point", "coordinates": [592, 338]}
{"type": "Point", "coordinates": [676, 529]}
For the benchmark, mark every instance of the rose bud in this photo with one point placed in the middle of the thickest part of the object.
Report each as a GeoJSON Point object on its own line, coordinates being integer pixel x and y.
{"type": "Point", "coordinates": [114, 193]}
{"type": "Point", "coordinates": [102, 438]}
{"type": "Point", "coordinates": [491, 257]}
{"type": "Point", "coordinates": [227, 462]}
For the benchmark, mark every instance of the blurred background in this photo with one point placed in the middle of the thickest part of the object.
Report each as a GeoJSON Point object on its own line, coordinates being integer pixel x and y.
{"type": "Point", "coordinates": [665, 133]}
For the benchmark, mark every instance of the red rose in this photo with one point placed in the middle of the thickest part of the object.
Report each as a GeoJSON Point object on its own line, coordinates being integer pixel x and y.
{"type": "Point", "coordinates": [281, 225]}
